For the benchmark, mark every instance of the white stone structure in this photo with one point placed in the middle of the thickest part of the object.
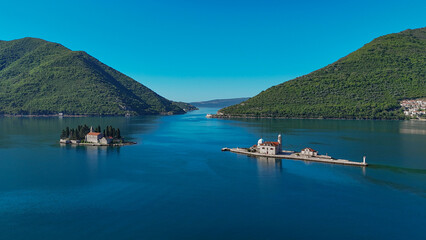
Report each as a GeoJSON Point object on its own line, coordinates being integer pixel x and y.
{"type": "Point", "coordinates": [271, 148]}
{"type": "Point", "coordinates": [105, 140]}
{"type": "Point", "coordinates": [309, 152]}
{"type": "Point", "coordinates": [66, 141]}
{"type": "Point", "coordinates": [94, 137]}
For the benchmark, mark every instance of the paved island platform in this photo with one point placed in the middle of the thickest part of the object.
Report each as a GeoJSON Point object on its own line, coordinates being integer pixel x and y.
{"type": "Point", "coordinates": [297, 156]}
{"type": "Point", "coordinates": [98, 144]}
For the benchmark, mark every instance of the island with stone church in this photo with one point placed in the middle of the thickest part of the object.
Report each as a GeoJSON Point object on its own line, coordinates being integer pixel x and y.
{"type": "Point", "coordinates": [83, 135]}
{"type": "Point", "coordinates": [274, 150]}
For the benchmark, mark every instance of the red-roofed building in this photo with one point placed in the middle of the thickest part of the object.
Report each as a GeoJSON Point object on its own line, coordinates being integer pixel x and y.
{"type": "Point", "coordinates": [272, 148]}
{"type": "Point", "coordinates": [94, 137]}
{"type": "Point", "coordinates": [309, 152]}
{"type": "Point", "coordinates": [94, 133]}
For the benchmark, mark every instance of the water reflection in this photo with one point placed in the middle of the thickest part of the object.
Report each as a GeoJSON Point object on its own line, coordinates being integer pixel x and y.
{"type": "Point", "coordinates": [267, 163]}
{"type": "Point", "coordinates": [93, 151]}
{"type": "Point", "coordinates": [413, 127]}
{"type": "Point", "coordinates": [43, 130]}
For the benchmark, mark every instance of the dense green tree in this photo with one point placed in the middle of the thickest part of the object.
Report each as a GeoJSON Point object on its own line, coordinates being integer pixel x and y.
{"type": "Point", "coordinates": [118, 134]}
{"type": "Point", "coordinates": [78, 133]}
{"type": "Point", "coordinates": [73, 134]}
{"type": "Point", "coordinates": [40, 77]}
{"type": "Point", "coordinates": [366, 84]}
{"type": "Point", "coordinates": [64, 134]}
{"type": "Point", "coordinates": [83, 131]}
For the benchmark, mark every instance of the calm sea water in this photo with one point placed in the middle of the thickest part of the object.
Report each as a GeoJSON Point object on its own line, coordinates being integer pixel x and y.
{"type": "Point", "coordinates": [177, 184]}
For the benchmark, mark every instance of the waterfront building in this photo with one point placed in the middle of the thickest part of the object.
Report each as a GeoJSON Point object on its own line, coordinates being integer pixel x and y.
{"type": "Point", "coordinates": [271, 148]}
{"type": "Point", "coordinates": [309, 152]}
{"type": "Point", "coordinates": [105, 140]}
{"type": "Point", "coordinates": [66, 141]}
{"type": "Point", "coordinates": [94, 137]}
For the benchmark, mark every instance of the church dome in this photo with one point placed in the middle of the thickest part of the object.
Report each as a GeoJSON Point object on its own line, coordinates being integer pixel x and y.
{"type": "Point", "coordinates": [260, 141]}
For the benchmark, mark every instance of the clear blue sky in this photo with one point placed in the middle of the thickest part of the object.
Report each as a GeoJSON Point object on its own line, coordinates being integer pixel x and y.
{"type": "Point", "coordinates": [201, 50]}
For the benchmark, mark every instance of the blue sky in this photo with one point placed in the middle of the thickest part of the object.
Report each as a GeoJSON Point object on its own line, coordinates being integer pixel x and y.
{"type": "Point", "coordinates": [202, 50]}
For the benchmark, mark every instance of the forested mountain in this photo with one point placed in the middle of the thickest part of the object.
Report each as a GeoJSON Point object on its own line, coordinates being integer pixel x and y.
{"type": "Point", "coordinates": [219, 103]}
{"type": "Point", "coordinates": [41, 77]}
{"type": "Point", "coordinates": [366, 84]}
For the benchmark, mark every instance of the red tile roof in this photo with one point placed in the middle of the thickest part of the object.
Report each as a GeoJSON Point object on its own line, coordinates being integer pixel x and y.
{"type": "Point", "coordinates": [270, 144]}
{"type": "Point", "coordinates": [310, 150]}
{"type": "Point", "coordinates": [94, 133]}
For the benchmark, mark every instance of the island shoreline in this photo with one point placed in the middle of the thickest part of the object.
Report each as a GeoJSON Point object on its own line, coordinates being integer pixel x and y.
{"type": "Point", "coordinates": [217, 116]}
{"type": "Point", "coordinates": [293, 156]}
{"type": "Point", "coordinates": [99, 144]}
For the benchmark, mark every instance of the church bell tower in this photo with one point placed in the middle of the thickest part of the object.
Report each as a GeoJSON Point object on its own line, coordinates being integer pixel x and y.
{"type": "Point", "coordinates": [280, 142]}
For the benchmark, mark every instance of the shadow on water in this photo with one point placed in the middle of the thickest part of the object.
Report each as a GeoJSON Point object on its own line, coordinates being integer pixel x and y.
{"type": "Point", "coordinates": [397, 169]}
{"type": "Point", "coordinates": [397, 186]}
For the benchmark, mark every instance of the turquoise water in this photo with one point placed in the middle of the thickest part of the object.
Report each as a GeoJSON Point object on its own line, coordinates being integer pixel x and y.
{"type": "Point", "coordinates": [177, 184]}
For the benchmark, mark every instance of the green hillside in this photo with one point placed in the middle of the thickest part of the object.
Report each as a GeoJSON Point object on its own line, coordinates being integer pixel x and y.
{"type": "Point", "coordinates": [40, 77]}
{"type": "Point", "coordinates": [366, 84]}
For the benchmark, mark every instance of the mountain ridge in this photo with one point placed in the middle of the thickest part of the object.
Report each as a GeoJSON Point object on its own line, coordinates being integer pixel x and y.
{"type": "Point", "coordinates": [366, 84]}
{"type": "Point", "coordinates": [219, 102]}
{"type": "Point", "coordinates": [41, 77]}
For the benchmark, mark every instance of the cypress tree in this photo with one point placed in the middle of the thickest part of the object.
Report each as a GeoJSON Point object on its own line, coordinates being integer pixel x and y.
{"type": "Point", "coordinates": [77, 134]}
{"type": "Point", "coordinates": [85, 130]}
{"type": "Point", "coordinates": [72, 134]}
{"type": "Point", "coordinates": [109, 132]}
{"type": "Point", "coordinates": [118, 134]}
{"type": "Point", "coordinates": [64, 134]}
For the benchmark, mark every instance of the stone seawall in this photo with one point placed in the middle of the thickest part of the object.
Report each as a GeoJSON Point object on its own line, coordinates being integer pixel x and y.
{"type": "Point", "coordinates": [296, 156]}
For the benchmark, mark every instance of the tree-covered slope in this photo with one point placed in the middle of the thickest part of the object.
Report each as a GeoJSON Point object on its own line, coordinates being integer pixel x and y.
{"type": "Point", "coordinates": [366, 84]}
{"type": "Point", "coordinates": [219, 103]}
{"type": "Point", "coordinates": [40, 77]}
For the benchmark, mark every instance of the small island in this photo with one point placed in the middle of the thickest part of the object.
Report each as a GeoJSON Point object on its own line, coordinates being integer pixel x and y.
{"type": "Point", "coordinates": [274, 150]}
{"type": "Point", "coordinates": [83, 135]}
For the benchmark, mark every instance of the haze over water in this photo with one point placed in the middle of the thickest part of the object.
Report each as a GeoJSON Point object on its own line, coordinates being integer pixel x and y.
{"type": "Point", "coordinates": [176, 183]}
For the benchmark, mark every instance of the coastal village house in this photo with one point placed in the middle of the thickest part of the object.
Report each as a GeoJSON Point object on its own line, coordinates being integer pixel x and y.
{"type": "Point", "coordinates": [97, 137]}
{"type": "Point", "coordinates": [309, 152]}
{"type": "Point", "coordinates": [271, 148]}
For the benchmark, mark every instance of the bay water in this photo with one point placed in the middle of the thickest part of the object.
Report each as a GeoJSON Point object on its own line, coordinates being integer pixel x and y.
{"type": "Point", "coordinates": [177, 184]}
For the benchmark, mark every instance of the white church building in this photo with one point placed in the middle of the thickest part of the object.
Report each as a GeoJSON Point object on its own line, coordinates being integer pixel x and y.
{"type": "Point", "coordinates": [97, 137]}
{"type": "Point", "coordinates": [271, 148]}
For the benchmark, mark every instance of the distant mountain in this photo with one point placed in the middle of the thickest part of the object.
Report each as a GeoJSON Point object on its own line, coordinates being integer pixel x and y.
{"type": "Point", "coordinates": [219, 103]}
{"type": "Point", "coordinates": [366, 84]}
{"type": "Point", "coordinates": [187, 107]}
{"type": "Point", "coordinates": [41, 77]}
